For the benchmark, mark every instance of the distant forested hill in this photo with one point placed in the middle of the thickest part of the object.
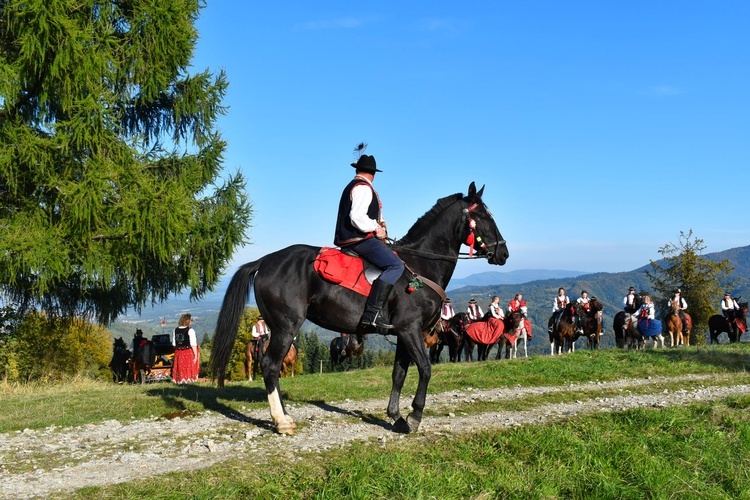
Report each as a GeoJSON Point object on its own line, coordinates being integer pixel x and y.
{"type": "Point", "coordinates": [609, 288]}
{"type": "Point", "coordinates": [510, 277]}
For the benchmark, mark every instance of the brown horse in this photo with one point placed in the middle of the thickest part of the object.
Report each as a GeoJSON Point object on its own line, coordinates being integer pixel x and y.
{"type": "Point", "coordinates": [563, 336]}
{"type": "Point", "coordinates": [673, 324]}
{"type": "Point", "coordinates": [718, 324]}
{"type": "Point", "coordinates": [431, 340]}
{"type": "Point", "coordinates": [353, 349]}
{"type": "Point", "coordinates": [591, 321]}
{"type": "Point", "coordinates": [254, 353]}
{"type": "Point", "coordinates": [287, 364]}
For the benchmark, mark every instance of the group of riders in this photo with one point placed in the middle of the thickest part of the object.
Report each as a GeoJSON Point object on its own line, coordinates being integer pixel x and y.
{"type": "Point", "coordinates": [494, 310]}
{"type": "Point", "coordinates": [562, 301]}
{"type": "Point", "coordinates": [642, 309]}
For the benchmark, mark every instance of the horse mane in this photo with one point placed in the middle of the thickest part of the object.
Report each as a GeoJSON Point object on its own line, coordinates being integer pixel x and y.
{"type": "Point", "coordinates": [425, 222]}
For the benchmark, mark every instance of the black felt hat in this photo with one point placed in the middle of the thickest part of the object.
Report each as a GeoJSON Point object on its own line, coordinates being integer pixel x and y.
{"type": "Point", "coordinates": [366, 163]}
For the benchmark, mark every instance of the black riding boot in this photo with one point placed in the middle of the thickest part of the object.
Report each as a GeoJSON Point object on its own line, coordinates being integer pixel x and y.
{"type": "Point", "coordinates": [376, 302]}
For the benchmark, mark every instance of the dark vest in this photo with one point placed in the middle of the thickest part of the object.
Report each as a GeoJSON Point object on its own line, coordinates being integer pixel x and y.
{"type": "Point", "coordinates": [181, 337]}
{"type": "Point", "coordinates": [346, 232]}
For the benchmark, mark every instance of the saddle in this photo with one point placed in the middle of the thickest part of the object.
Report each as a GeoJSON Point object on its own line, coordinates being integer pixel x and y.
{"type": "Point", "coordinates": [348, 270]}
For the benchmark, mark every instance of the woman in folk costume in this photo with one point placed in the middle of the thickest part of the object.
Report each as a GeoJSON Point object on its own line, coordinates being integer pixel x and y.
{"type": "Point", "coordinates": [187, 361]}
{"type": "Point", "coordinates": [584, 302]}
{"type": "Point", "coordinates": [518, 304]}
{"type": "Point", "coordinates": [495, 309]}
{"type": "Point", "coordinates": [474, 311]}
{"type": "Point", "coordinates": [648, 325]}
{"type": "Point", "coordinates": [360, 228]}
{"type": "Point", "coordinates": [560, 301]}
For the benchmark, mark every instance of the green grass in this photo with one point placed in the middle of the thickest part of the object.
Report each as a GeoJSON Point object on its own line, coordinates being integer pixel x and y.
{"type": "Point", "coordinates": [81, 402]}
{"type": "Point", "coordinates": [698, 451]}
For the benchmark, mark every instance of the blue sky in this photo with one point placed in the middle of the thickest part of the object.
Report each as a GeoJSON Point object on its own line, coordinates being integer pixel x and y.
{"type": "Point", "coordinates": [600, 129]}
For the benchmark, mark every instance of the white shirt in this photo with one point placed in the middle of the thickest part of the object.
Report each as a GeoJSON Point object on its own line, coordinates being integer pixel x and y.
{"type": "Point", "coordinates": [471, 314]}
{"type": "Point", "coordinates": [497, 311]}
{"type": "Point", "coordinates": [447, 312]}
{"type": "Point", "coordinates": [556, 306]}
{"type": "Point", "coordinates": [729, 304]}
{"type": "Point", "coordinates": [259, 328]}
{"type": "Point", "coordinates": [191, 335]}
{"type": "Point", "coordinates": [683, 303]}
{"type": "Point", "coordinates": [628, 300]}
{"type": "Point", "coordinates": [650, 308]}
{"type": "Point", "coordinates": [361, 200]}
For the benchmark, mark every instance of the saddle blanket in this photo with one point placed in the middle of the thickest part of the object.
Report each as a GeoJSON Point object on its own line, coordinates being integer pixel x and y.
{"type": "Point", "coordinates": [339, 268]}
{"type": "Point", "coordinates": [486, 332]}
{"type": "Point", "coordinates": [742, 326]}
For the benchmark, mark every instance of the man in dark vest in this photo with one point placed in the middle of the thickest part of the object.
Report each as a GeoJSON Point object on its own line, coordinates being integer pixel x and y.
{"type": "Point", "coordinates": [360, 227]}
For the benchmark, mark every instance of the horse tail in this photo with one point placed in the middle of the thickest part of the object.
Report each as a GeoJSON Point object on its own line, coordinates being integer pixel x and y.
{"type": "Point", "coordinates": [232, 309]}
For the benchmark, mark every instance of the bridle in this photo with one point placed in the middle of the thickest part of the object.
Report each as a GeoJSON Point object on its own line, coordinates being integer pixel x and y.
{"type": "Point", "coordinates": [472, 239]}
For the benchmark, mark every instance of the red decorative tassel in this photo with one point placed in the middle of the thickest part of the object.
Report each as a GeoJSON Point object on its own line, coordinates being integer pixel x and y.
{"type": "Point", "coordinates": [470, 243]}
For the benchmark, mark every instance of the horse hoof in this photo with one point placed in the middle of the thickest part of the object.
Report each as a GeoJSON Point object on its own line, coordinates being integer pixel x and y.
{"type": "Point", "coordinates": [290, 421]}
{"type": "Point", "coordinates": [413, 423]}
{"type": "Point", "coordinates": [285, 428]}
{"type": "Point", "coordinates": [401, 426]}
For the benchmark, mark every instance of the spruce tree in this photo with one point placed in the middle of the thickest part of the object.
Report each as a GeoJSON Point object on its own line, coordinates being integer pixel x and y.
{"type": "Point", "coordinates": [700, 280]}
{"type": "Point", "coordinates": [111, 187]}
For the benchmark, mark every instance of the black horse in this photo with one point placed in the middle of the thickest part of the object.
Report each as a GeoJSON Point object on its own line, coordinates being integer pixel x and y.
{"type": "Point", "coordinates": [623, 325]}
{"type": "Point", "coordinates": [450, 335]}
{"type": "Point", "coordinates": [718, 324]}
{"type": "Point", "coordinates": [288, 291]}
{"type": "Point", "coordinates": [591, 322]}
{"type": "Point", "coordinates": [119, 362]}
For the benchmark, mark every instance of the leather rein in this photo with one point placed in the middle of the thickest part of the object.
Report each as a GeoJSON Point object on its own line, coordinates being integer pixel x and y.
{"type": "Point", "coordinates": [472, 239]}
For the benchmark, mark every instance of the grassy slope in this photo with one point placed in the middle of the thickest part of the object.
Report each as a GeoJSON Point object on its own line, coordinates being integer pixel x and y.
{"type": "Point", "coordinates": [698, 451]}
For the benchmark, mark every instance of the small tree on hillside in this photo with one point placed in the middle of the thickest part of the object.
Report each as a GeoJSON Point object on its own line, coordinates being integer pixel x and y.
{"type": "Point", "coordinates": [699, 278]}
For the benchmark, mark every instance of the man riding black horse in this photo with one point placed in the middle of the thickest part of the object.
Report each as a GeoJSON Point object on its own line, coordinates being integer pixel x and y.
{"type": "Point", "coordinates": [360, 228]}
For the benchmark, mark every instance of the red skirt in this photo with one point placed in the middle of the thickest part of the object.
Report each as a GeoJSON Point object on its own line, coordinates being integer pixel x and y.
{"type": "Point", "coordinates": [185, 368]}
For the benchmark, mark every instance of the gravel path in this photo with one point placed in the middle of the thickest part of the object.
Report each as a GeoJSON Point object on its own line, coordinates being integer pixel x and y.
{"type": "Point", "coordinates": [112, 452]}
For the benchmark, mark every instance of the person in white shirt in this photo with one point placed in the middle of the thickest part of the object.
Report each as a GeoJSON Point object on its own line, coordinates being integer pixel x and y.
{"type": "Point", "coordinates": [629, 302]}
{"type": "Point", "coordinates": [560, 301]}
{"type": "Point", "coordinates": [681, 306]}
{"type": "Point", "coordinates": [728, 307]}
{"type": "Point", "coordinates": [496, 310]}
{"type": "Point", "coordinates": [474, 311]}
{"type": "Point", "coordinates": [446, 313]}
{"type": "Point", "coordinates": [360, 228]}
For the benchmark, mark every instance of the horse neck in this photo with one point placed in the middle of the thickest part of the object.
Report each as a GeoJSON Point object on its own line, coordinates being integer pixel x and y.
{"type": "Point", "coordinates": [435, 241]}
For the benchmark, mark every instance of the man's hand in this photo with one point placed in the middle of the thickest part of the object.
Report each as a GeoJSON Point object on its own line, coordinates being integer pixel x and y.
{"type": "Point", "coordinates": [380, 233]}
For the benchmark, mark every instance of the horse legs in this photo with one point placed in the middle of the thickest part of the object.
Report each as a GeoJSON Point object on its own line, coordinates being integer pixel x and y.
{"type": "Point", "coordinates": [271, 364]}
{"type": "Point", "coordinates": [406, 351]}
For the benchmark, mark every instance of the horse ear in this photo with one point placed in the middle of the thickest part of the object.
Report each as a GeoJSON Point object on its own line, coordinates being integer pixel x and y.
{"type": "Point", "coordinates": [472, 191]}
{"type": "Point", "coordinates": [479, 193]}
